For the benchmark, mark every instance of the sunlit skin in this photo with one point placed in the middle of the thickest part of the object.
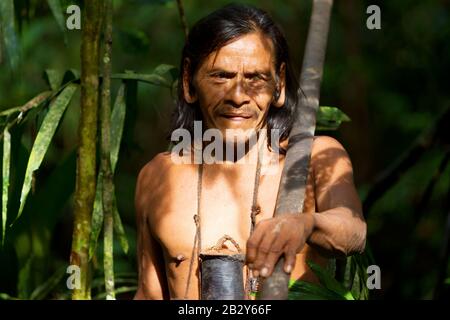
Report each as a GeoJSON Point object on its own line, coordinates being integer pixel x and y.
{"type": "Point", "coordinates": [235, 87]}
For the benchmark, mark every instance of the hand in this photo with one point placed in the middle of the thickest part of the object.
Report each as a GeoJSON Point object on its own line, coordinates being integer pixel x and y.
{"type": "Point", "coordinates": [273, 237]}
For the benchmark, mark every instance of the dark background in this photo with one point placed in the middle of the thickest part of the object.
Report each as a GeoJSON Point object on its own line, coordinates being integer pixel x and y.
{"type": "Point", "coordinates": [390, 82]}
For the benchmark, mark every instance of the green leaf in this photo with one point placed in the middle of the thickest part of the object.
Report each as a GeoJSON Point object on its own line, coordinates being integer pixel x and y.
{"type": "Point", "coordinates": [54, 78]}
{"type": "Point", "coordinates": [349, 273]}
{"type": "Point", "coordinates": [329, 282]}
{"type": "Point", "coordinates": [154, 79]}
{"type": "Point", "coordinates": [330, 118]}
{"type": "Point", "coordinates": [117, 124]}
{"type": "Point", "coordinates": [118, 228]}
{"type": "Point", "coordinates": [23, 283]}
{"type": "Point", "coordinates": [5, 179]}
{"type": "Point", "coordinates": [162, 69]}
{"type": "Point", "coordinates": [55, 7]}
{"type": "Point", "coordinates": [43, 139]}
{"type": "Point", "coordinates": [5, 296]}
{"type": "Point", "coordinates": [9, 33]}
{"type": "Point", "coordinates": [97, 216]}
{"type": "Point", "coordinates": [361, 264]}
{"type": "Point", "coordinates": [44, 289]}
{"type": "Point", "coordinates": [302, 290]}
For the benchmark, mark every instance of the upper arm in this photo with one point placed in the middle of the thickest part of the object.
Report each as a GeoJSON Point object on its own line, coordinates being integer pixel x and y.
{"type": "Point", "coordinates": [333, 176]}
{"type": "Point", "coordinates": [152, 280]}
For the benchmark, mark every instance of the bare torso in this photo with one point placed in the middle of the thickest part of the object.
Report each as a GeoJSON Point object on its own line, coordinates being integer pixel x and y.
{"type": "Point", "coordinates": [170, 202]}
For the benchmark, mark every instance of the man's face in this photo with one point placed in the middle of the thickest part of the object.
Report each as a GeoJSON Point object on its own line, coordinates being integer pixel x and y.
{"type": "Point", "coordinates": [236, 84]}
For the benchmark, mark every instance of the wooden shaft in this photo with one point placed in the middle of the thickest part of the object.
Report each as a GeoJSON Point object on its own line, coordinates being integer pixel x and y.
{"type": "Point", "coordinates": [291, 193]}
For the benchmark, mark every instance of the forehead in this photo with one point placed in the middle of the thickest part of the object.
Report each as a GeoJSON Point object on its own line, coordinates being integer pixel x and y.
{"type": "Point", "coordinates": [251, 51]}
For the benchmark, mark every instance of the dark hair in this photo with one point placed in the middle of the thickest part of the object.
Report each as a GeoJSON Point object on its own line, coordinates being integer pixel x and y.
{"type": "Point", "coordinates": [215, 31]}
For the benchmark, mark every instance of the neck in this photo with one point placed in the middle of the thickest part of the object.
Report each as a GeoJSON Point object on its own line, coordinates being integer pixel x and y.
{"type": "Point", "coordinates": [232, 152]}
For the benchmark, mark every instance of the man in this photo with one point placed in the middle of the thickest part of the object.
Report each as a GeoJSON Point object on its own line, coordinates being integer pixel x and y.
{"type": "Point", "coordinates": [236, 74]}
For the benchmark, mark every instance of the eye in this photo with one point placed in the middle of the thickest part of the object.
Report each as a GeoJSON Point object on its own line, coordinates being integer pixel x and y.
{"type": "Point", "coordinates": [255, 77]}
{"type": "Point", "coordinates": [222, 75]}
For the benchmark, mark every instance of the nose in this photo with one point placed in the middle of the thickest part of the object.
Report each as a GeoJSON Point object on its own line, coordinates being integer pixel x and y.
{"type": "Point", "coordinates": [237, 95]}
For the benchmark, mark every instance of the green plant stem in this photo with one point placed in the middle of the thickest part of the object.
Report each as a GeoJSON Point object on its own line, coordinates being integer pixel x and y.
{"type": "Point", "coordinates": [87, 131]}
{"type": "Point", "coordinates": [183, 18]}
{"type": "Point", "coordinates": [108, 186]}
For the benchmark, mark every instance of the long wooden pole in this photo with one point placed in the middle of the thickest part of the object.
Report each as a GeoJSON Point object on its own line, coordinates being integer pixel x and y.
{"type": "Point", "coordinates": [291, 193]}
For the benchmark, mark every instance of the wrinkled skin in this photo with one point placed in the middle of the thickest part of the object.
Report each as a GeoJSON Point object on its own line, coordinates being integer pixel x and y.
{"type": "Point", "coordinates": [235, 87]}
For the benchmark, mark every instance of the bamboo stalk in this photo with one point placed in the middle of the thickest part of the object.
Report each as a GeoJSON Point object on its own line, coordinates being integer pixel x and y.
{"type": "Point", "coordinates": [86, 161]}
{"type": "Point", "coordinates": [291, 194]}
{"type": "Point", "coordinates": [108, 187]}
{"type": "Point", "coordinates": [183, 18]}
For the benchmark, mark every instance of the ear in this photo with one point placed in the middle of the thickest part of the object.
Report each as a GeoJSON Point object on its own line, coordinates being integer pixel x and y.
{"type": "Point", "coordinates": [189, 95]}
{"type": "Point", "coordinates": [281, 87]}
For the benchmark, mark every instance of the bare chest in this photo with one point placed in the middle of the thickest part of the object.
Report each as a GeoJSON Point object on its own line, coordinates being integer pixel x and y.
{"type": "Point", "coordinates": [224, 206]}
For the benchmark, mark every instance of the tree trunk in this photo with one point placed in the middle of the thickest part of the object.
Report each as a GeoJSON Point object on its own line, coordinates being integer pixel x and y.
{"type": "Point", "coordinates": [87, 133]}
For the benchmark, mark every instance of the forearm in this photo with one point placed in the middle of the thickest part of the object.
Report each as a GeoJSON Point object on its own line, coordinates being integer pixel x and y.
{"type": "Point", "coordinates": [338, 232]}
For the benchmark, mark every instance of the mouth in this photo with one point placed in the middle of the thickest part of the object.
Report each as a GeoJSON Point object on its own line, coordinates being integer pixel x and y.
{"type": "Point", "coordinates": [236, 116]}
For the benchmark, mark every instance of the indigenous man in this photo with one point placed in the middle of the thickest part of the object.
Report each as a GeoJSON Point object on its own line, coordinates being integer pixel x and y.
{"type": "Point", "coordinates": [236, 74]}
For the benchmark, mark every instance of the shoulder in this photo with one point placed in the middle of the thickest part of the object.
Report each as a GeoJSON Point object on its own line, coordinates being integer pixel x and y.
{"type": "Point", "coordinates": [151, 180]}
{"type": "Point", "coordinates": [323, 143]}
{"type": "Point", "coordinates": [153, 169]}
{"type": "Point", "coordinates": [327, 148]}
{"type": "Point", "coordinates": [161, 175]}
{"type": "Point", "coordinates": [329, 158]}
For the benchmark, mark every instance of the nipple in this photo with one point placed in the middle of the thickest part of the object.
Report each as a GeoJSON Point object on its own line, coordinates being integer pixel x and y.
{"type": "Point", "coordinates": [180, 258]}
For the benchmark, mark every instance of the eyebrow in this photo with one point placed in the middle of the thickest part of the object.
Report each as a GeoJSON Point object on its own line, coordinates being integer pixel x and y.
{"type": "Point", "coordinates": [265, 73]}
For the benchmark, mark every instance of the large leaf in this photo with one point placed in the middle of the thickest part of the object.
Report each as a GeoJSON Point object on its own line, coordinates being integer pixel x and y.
{"type": "Point", "coordinates": [43, 139]}
{"type": "Point", "coordinates": [55, 7]}
{"type": "Point", "coordinates": [153, 78]}
{"type": "Point", "coordinates": [117, 123]}
{"type": "Point", "coordinates": [330, 118]}
{"type": "Point", "coordinates": [9, 32]}
{"type": "Point", "coordinates": [5, 179]}
{"type": "Point", "coordinates": [54, 78]}
{"type": "Point", "coordinates": [330, 282]}
{"type": "Point", "coordinates": [97, 216]}
{"type": "Point", "coordinates": [118, 228]}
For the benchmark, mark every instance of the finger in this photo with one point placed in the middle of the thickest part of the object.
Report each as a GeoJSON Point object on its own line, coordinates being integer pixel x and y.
{"type": "Point", "coordinates": [289, 262]}
{"type": "Point", "coordinates": [272, 257]}
{"type": "Point", "coordinates": [253, 242]}
{"type": "Point", "coordinates": [264, 249]}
